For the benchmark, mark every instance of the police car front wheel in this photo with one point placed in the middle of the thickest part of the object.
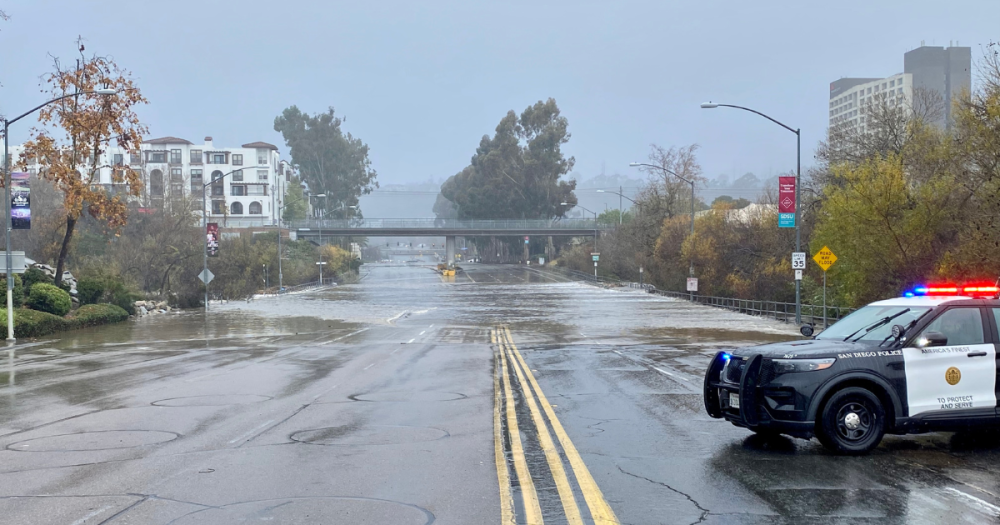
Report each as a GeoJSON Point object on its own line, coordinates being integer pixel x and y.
{"type": "Point", "coordinates": [853, 421]}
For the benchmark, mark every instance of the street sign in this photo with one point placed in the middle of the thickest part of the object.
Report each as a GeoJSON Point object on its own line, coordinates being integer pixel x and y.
{"type": "Point", "coordinates": [596, 257]}
{"type": "Point", "coordinates": [786, 220]}
{"type": "Point", "coordinates": [692, 284]}
{"type": "Point", "coordinates": [206, 276]}
{"type": "Point", "coordinates": [798, 260]}
{"type": "Point", "coordinates": [786, 202]}
{"type": "Point", "coordinates": [525, 239]}
{"type": "Point", "coordinates": [798, 275]}
{"type": "Point", "coordinates": [825, 258]}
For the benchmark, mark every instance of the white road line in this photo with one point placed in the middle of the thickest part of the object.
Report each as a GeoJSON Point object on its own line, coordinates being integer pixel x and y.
{"type": "Point", "coordinates": [394, 351]}
{"type": "Point", "coordinates": [369, 366]}
{"type": "Point", "coordinates": [981, 504]}
{"type": "Point", "coordinates": [424, 332]}
{"type": "Point", "coordinates": [84, 519]}
{"type": "Point", "coordinates": [247, 435]}
{"type": "Point", "coordinates": [669, 374]}
{"type": "Point", "coordinates": [411, 340]}
{"type": "Point", "coordinates": [431, 326]}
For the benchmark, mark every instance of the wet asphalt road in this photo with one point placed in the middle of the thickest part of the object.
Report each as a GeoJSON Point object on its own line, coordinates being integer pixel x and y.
{"type": "Point", "coordinates": [390, 401]}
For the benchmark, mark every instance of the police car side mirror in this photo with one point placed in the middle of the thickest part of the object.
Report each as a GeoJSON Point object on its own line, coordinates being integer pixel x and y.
{"type": "Point", "coordinates": [932, 339]}
{"type": "Point", "coordinates": [806, 330]}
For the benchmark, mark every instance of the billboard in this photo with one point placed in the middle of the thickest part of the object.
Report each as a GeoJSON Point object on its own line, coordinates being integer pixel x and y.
{"type": "Point", "coordinates": [212, 233]}
{"type": "Point", "coordinates": [20, 201]}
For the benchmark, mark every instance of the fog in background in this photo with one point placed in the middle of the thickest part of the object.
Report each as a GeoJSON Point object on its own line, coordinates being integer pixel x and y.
{"type": "Point", "coordinates": [421, 82]}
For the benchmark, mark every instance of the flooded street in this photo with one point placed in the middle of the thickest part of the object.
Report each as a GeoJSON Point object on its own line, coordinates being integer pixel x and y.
{"type": "Point", "coordinates": [379, 403]}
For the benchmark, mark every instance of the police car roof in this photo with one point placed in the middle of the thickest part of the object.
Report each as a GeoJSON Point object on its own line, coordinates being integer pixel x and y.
{"type": "Point", "coordinates": [926, 301]}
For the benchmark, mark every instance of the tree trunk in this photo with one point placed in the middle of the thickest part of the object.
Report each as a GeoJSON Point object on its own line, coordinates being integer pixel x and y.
{"type": "Point", "coordinates": [64, 250]}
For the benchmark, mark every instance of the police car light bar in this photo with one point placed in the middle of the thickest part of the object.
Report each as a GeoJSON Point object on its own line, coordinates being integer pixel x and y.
{"type": "Point", "coordinates": [968, 290]}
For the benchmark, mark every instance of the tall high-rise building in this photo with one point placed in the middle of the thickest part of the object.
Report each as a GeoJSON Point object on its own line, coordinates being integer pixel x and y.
{"type": "Point", "coordinates": [939, 73]}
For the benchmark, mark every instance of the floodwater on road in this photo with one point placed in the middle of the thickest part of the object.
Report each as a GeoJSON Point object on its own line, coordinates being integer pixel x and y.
{"type": "Point", "coordinates": [384, 401]}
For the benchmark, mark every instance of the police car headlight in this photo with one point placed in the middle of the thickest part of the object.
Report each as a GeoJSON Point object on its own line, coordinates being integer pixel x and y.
{"type": "Point", "coordinates": [786, 366]}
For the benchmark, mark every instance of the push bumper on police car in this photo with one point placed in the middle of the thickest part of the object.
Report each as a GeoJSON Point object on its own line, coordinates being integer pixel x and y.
{"type": "Point", "coordinates": [749, 392]}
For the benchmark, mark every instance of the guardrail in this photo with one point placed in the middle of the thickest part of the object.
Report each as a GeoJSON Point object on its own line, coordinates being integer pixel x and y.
{"type": "Point", "coordinates": [778, 310]}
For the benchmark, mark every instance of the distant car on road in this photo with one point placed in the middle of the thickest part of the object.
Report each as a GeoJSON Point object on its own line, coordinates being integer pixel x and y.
{"type": "Point", "coordinates": [919, 363]}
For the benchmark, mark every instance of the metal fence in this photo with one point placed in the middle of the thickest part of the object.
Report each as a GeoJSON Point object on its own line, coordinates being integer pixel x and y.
{"type": "Point", "coordinates": [778, 310]}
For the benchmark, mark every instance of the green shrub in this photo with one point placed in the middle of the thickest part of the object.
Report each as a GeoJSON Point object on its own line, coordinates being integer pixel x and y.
{"type": "Point", "coordinates": [118, 294]}
{"type": "Point", "coordinates": [32, 323]}
{"type": "Point", "coordinates": [49, 298]}
{"type": "Point", "coordinates": [34, 275]}
{"type": "Point", "coordinates": [18, 292]}
{"type": "Point", "coordinates": [90, 290]}
{"type": "Point", "coordinates": [63, 285]}
{"type": "Point", "coordinates": [97, 314]}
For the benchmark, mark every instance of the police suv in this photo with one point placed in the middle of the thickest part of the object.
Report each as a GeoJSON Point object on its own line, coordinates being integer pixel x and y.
{"type": "Point", "coordinates": [926, 361]}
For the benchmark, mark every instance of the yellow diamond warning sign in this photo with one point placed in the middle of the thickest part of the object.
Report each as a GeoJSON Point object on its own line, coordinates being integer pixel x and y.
{"type": "Point", "coordinates": [825, 258]}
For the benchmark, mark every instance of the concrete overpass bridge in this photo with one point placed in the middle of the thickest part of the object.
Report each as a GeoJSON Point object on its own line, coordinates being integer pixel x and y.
{"type": "Point", "coordinates": [447, 228]}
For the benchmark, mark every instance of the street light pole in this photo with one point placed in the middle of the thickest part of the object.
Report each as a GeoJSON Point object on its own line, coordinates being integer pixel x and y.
{"type": "Point", "coordinates": [6, 184]}
{"type": "Point", "coordinates": [691, 182]}
{"type": "Point", "coordinates": [204, 214]}
{"type": "Point", "coordinates": [798, 186]}
{"type": "Point", "coordinates": [595, 230]}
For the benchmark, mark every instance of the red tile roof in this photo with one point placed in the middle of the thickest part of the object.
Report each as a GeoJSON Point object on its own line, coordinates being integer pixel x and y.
{"type": "Point", "coordinates": [168, 140]}
{"type": "Point", "coordinates": [261, 145]}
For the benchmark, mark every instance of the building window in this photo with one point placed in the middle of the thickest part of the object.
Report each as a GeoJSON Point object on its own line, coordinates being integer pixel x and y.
{"type": "Point", "coordinates": [156, 183]}
{"type": "Point", "coordinates": [238, 191]}
{"type": "Point", "coordinates": [256, 189]}
{"type": "Point", "coordinates": [238, 174]}
{"type": "Point", "coordinates": [176, 175]}
{"type": "Point", "coordinates": [217, 185]}
{"type": "Point", "coordinates": [196, 156]}
{"type": "Point", "coordinates": [119, 159]}
{"type": "Point", "coordinates": [236, 208]}
{"type": "Point", "coordinates": [219, 207]}
{"type": "Point", "coordinates": [262, 156]}
{"type": "Point", "coordinates": [237, 159]}
{"type": "Point", "coordinates": [175, 156]}
{"type": "Point", "coordinates": [218, 158]}
{"type": "Point", "coordinates": [157, 156]}
{"type": "Point", "coordinates": [197, 185]}
{"type": "Point", "coordinates": [256, 208]}
{"type": "Point", "coordinates": [262, 175]}
{"type": "Point", "coordinates": [176, 189]}
{"type": "Point", "coordinates": [134, 158]}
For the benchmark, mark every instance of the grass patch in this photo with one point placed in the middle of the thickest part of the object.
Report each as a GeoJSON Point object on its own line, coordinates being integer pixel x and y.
{"type": "Point", "coordinates": [33, 323]}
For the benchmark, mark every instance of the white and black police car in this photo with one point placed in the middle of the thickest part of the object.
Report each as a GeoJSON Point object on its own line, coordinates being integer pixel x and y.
{"type": "Point", "coordinates": [923, 362]}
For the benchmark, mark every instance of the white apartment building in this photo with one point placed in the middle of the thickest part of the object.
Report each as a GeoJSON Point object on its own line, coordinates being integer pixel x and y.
{"type": "Point", "coordinates": [847, 109]}
{"type": "Point", "coordinates": [244, 185]}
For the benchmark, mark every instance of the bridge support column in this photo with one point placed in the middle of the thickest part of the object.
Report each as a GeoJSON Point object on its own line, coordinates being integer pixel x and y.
{"type": "Point", "coordinates": [449, 247]}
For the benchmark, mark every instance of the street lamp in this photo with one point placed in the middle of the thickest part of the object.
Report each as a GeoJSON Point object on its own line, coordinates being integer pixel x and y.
{"type": "Point", "coordinates": [798, 184]}
{"type": "Point", "coordinates": [620, 197]}
{"type": "Point", "coordinates": [691, 182]}
{"type": "Point", "coordinates": [204, 214]}
{"type": "Point", "coordinates": [595, 228]}
{"type": "Point", "coordinates": [6, 184]}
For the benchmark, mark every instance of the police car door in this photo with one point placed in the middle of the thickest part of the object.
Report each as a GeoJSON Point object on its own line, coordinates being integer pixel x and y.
{"type": "Point", "coordinates": [958, 375]}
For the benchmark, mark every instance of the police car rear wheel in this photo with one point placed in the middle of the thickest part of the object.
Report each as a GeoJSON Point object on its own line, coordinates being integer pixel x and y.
{"type": "Point", "coordinates": [853, 421]}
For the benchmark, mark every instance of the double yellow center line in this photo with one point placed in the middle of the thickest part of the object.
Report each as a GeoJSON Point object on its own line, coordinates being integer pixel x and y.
{"type": "Point", "coordinates": [509, 358]}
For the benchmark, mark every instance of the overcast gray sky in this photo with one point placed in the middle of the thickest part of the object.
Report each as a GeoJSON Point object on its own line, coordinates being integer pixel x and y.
{"type": "Point", "coordinates": [421, 82]}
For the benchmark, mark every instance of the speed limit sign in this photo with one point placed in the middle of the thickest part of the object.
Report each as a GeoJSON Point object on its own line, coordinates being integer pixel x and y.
{"type": "Point", "coordinates": [798, 260]}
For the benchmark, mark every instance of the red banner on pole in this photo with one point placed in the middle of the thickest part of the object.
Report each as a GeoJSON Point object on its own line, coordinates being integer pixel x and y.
{"type": "Point", "coordinates": [212, 233]}
{"type": "Point", "coordinates": [786, 194]}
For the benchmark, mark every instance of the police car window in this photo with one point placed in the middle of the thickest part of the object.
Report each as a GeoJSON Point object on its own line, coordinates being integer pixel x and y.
{"type": "Point", "coordinates": [996, 316]}
{"type": "Point", "coordinates": [962, 326]}
{"type": "Point", "coordinates": [868, 316]}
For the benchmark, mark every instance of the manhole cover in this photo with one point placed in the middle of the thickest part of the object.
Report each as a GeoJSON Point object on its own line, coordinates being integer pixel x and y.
{"type": "Point", "coordinates": [368, 435]}
{"type": "Point", "coordinates": [312, 510]}
{"type": "Point", "coordinates": [211, 400]}
{"type": "Point", "coordinates": [95, 440]}
{"type": "Point", "coordinates": [399, 397]}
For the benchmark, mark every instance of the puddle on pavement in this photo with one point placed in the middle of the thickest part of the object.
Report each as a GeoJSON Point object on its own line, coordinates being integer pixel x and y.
{"type": "Point", "coordinates": [93, 440]}
{"type": "Point", "coordinates": [211, 400]}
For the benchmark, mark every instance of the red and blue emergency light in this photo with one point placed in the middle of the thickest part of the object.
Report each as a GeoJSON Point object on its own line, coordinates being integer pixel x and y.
{"type": "Point", "coordinates": [952, 290]}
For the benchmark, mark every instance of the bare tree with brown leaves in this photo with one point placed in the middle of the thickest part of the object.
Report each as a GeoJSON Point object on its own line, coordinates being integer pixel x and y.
{"type": "Point", "coordinates": [72, 135]}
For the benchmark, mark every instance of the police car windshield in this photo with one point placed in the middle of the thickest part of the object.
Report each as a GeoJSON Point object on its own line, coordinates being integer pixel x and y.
{"type": "Point", "coordinates": [868, 316]}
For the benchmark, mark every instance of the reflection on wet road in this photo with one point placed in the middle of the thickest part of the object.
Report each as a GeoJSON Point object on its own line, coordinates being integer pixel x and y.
{"type": "Point", "coordinates": [395, 400]}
